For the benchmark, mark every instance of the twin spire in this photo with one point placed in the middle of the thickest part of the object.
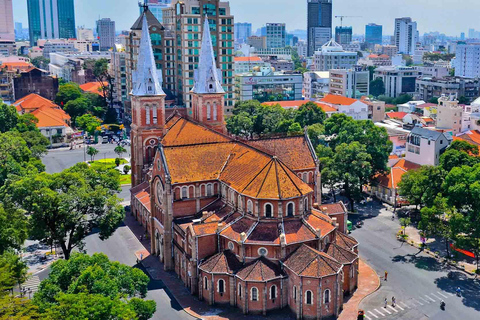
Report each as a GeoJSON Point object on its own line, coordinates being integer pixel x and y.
{"type": "Point", "coordinates": [147, 79]}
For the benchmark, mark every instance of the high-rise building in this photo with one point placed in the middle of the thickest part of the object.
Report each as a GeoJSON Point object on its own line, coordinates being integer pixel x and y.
{"type": "Point", "coordinates": [276, 35]}
{"type": "Point", "coordinates": [343, 35]}
{"type": "Point", "coordinates": [243, 30]}
{"type": "Point", "coordinates": [176, 47]}
{"type": "Point", "coordinates": [319, 24]}
{"type": "Point", "coordinates": [373, 34]}
{"type": "Point", "coordinates": [332, 56]}
{"type": "Point", "coordinates": [471, 33]}
{"type": "Point", "coordinates": [257, 42]}
{"type": "Point", "coordinates": [156, 7]}
{"type": "Point", "coordinates": [7, 28]}
{"type": "Point", "coordinates": [106, 33]}
{"type": "Point", "coordinates": [406, 35]}
{"type": "Point", "coordinates": [467, 64]}
{"type": "Point", "coordinates": [51, 19]}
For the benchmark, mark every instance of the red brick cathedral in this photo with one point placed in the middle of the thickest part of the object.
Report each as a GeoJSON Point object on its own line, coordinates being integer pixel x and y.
{"type": "Point", "coordinates": [237, 220]}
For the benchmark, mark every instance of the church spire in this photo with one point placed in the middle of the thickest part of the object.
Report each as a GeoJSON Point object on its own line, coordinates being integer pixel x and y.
{"type": "Point", "coordinates": [208, 79]}
{"type": "Point", "coordinates": [146, 81]}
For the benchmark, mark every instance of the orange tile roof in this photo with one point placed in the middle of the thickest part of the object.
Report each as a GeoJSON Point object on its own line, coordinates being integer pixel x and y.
{"type": "Point", "coordinates": [184, 132]}
{"type": "Point", "coordinates": [144, 198]}
{"type": "Point", "coordinates": [13, 66]}
{"type": "Point", "coordinates": [297, 103]}
{"type": "Point", "coordinates": [392, 179]}
{"type": "Point", "coordinates": [32, 102]}
{"type": "Point", "coordinates": [51, 117]}
{"type": "Point", "coordinates": [341, 254]}
{"type": "Point", "coordinates": [234, 230]}
{"type": "Point", "coordinates": [396, 115]}
{"type": "Point", "coordinates": [265, 232]}
{"type": "Point", "coordinates": [393, 156]}
{"type": "Point", "coordinates": [345, 241]}
{"type": "Point", "coordinates": [223, 262]}
{"type": "Point", "coordinates": [472, 136]}
{"type": "Point", "coordinates": [248, 59]}
{"type": "Point", "coordinates": [317, 223]}
{"type": "Point", "coordinates": [261, 269]}
{"type": "Point", "coordinates": [297, 231]}
{"type": "Point", "coordinates": [338, 100]}
{"type": "Point", "coordinates": [308, 262]}
{"type": "Point", "coordinates": [333, 208]}
{"type": "Point", "coordinates": [93, 87]}
{"type": "Point", "coordinates": [204, 229]}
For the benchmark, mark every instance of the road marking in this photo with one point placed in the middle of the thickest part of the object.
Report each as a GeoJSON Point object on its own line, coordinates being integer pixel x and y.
{"type": "Point", "coordinates": [386, 310]}
{"type": "Point", "coordinates": [380, 313]}
{"type": "Point", "coordinates": [398, 306]}
{"type": "Point", "coordinates": [393, 308]}
{"type": "Point", "coordinates": [426, 301]}
{"type": "Point", "coordinates": [433, 294]}
{"type": "Point", "coordinates": [373, 314]}
{"type": "Point", "coordinates": [451, 294]}
{"type": "Point", "coordinates": [406, 305]}
{"type": "Point", "coordinates": [367, 317]}
{"type": "Point", "coordinates": [442, 295]}
{"type": "Point", "coordinates": [429, 298]}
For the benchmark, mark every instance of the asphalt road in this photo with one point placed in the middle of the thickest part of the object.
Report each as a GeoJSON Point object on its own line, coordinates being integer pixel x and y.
{"type": "Point", "coordinates": [416, 280]}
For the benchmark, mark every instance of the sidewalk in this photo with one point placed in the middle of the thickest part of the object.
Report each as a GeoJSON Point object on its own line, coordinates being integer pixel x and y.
{"type": "Point", "coordinates": [437, 249]}
{"type": "Point", "coordinates": [368, 283]}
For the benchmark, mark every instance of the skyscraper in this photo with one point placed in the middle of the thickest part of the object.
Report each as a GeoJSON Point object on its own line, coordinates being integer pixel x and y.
{"type": "Point", "coordinates": [243, 30]}
{"type": "Point", "coordinates": [319, 24]}
{"type": "Point", "coordinates": [106, 33]}
{"type": "Point", "coordinates": [7, 29]}
{"type": "Point", "coordinates": [373, 34]}
{"type": "Point", "coordinates": [343, 35]}
{"type": "Point", "coordinates": [51, 19]}
{"type": "Point", "coordinates": [156, 7]}
{"type": "Point", "coordinates": [406, 35]}
{"type": "Point", "coordinates": [276, 35]}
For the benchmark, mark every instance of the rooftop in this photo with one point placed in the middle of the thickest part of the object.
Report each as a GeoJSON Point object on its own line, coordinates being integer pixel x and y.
{"type": "Point", "coordinates": [308, 262]}
{"type": "Point", "coordinates": [338, 100]}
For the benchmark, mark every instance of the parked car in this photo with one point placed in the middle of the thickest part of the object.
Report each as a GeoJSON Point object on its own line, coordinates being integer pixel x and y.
{"type": "Point", "coordinates": [105, 140]}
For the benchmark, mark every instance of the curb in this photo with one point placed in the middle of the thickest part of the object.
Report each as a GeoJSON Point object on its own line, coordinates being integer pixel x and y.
{"type": "Point", "coordinates": [378, 285]}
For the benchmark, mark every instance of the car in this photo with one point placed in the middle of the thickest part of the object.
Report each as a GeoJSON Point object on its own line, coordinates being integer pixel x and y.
{"type": "Point", "coordinates": [105, 140]}
{"type": "Point", "coordinates": [125, 142]}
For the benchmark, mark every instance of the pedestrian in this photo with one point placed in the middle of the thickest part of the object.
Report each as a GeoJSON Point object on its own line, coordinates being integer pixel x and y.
{"type": "Point", "coordinates": [394, 302]}
{"type": "Point", "coordinates": [386, 275]}
{"type": "Point", "coordinates": [141, 256]}
{"type": "Point", "coordinates": [385, 303]}
{"type": "Point", "coordinates": [141, 237]}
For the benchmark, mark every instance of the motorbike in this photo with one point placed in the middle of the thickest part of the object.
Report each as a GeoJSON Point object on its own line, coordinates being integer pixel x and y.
{"type": "Point", "coordinates": [442, 305]}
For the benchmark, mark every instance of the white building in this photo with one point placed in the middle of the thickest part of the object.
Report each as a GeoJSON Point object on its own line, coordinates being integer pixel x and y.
{"type": "Point", "coordinates": [349, 83]}
{"type": "Point", "coordinates": [332, 56]}
{"type": "Point", "coordinates": [248, 64]}
{"type": "Point", "coordinates": [424, 146]}
{"type": "Point", "coordinates": [449, 114]}
{"type": "Point", "coordinates": [467, 61]}
{"type": "Point", "coordinates": [354, 108]}
{"type": "Point", "coordinates": [406, 35]}
{"type": "Point", "coordinates": [106, 33]}
{"type": "Point", "coordinates": [435, 71]}
{"type": "Point", "coordinates": [84, 34]}
{"type": "Point", "coordinates": [397, 80]}
{"type": "Point", "coordinates": [316, 84]}
{"type": "Point", "coordinates": [302, 48]}
{"type": "Point", "coordinates": [410, 106]}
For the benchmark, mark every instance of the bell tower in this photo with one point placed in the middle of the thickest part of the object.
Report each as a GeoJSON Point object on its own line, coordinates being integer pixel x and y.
{"type": "Point", "coordinates": [148, 108]}
{"type": "Point", "coordinates": [208, 96]}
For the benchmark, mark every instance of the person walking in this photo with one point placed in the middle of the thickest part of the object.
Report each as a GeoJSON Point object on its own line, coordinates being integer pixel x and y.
{"type": "Point", "coordinates": [394, 302]}
{"type": "Point", "coordinates": [385, 303]}
{"type": "Point", "coordinates": [386, 275]}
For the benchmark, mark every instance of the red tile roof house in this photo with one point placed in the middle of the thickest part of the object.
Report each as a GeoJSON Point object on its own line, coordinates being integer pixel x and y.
{"type": "Point", "coordinates": [236, 220]}
{"type": "Point", "coordinates": [354, 108]}
{"type": "Point", "coordinates": [295, 104]}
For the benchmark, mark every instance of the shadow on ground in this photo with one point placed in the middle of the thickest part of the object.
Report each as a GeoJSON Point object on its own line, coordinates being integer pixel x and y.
{"type": "Point", "coordinates": [470, 289]}
{"type": "Point", "coordinates": [420, 262]}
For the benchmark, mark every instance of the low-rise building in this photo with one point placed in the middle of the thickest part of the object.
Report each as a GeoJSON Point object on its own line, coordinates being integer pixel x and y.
{"type": "Point", "coordinates": [390, 50]}
{"type": "Point", "coordinates": [332, 56]}
{"type": "Point", "coordinates": [376, 109]}
{"type": "Point", "coordinates": [354, 108]}
{"type": "Point", "coordinates": [435, 71]}
{"type": "Point", "coordinates": [257, 42]}
{"type": "Point", "coordinates": [248, 64]}
{"type": "Point", "coordinates": [34, 80]}
{"type": "Point", "coordinates": [397, 80]}
{"type": "Point", "coordinates": [411, 106]}
{"type": "Point", "coordinates": [449, 114]}
{"type": "Point", "coordinates": [267, 85]}
{"type": "Point", "coordinates": [8, 72]}
{"type": "Point", "coordinates": [282, 65]}
{"type": "Point", "coordinates": [70, 67]}
{"type": "Point", "coordinates": [377, 60]}
{"type": "Point", "coordinates": [429, 87]}
{"type": "Point", "coordinates": [424, 146]}
{"type": "Point", "coordinates": [316, 84]}
{"type": "Point", "coordinates": [351, 83]}
{"type": "Point", "coordinates": [58, 47]}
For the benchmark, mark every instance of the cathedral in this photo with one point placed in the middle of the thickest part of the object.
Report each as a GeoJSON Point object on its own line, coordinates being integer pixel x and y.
{"type": "Point", "coordinates": [240, 222]}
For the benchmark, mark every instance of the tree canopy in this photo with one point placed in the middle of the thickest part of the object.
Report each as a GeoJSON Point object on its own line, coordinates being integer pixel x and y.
{"type": "Point", "coordinates": [377, 87]}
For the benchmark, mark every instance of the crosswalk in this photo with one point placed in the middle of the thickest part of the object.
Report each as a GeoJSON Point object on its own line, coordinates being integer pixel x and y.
{"type": "Point", "coordinates": [31, 284]}
{"type": "Point", "coordinates": [419, 301]}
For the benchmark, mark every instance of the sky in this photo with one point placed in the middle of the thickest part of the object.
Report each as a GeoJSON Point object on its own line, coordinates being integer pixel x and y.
{"type": "Point", "coordinates": [446, 16]}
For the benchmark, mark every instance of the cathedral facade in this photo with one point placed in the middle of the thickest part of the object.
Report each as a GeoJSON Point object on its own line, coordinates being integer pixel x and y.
{"type": "Point", "coordinates": [240, 222]}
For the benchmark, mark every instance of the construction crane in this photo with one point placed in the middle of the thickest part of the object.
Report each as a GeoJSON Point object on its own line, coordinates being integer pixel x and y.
{"type": "Point", "coordinates": [341, 18]}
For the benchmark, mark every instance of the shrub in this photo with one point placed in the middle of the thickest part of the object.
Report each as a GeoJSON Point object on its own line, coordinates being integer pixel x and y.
{"type": "Point", "coordinates": [117, 161]}
{"type": "Point", "coordinates": [126, 169]}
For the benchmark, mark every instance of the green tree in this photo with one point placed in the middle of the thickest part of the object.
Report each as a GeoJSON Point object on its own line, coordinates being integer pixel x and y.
{"type": "Point", "coordinates": [371, 71]}
{"type": "Point", "coordinates": [13, 308]}
{"type": "Point", "coordinates": [103, 78]}
{"type": "Point", "coordinates": [330, 177]}
{"type": "Point", "coordinates": [422, 186]}
{"type": "Point", "coordinates": [405, 222]}
{"type": "Point", "coordinates": [27, 122]}
{"type": "Point", "coordinates": [377, 87]}
{"type": "Point", "coordinates": [308, 114]}
{"type": "Point", "coordinates": [92, 152]}
{"type": "Point", "coordinates": [66, 206]}
{"type": "Point", "coordinates": [316, 134]}
{"type": "Point", "coordinates": [41, 62]}
{"type": "Point", "coordinates": [295, 129]}
{"type": "Point", "coordinates": [403, 98]}
{"type": "Point", "coordinates": [240, 125]}
{"type": "Point", "coordinates": [463, 100]}
{"type": "Point", "coordinates": [387, 99]}
{"type": "Point", "coordinates": [408, 59]}
{"type": "Point", "coordinates": [433, 100]}
{"type": "Point", "coordinates": [119, 150]}
{"type": "Point", "coordinates": [126, 169]}
{"type": "Point", "coordinates": [15, 269]}
{"type": "Point", "coordinates": [76, 108]}
{"type": "Point", "coordinates": [13, 229]}
{"type": "Point", "coordinates": [36, 142]}
{"type": "Point", "coordinates": [88, 123]}
{"type": "Point", "coordinates": [8, 117]}
{"type": "Point", "coordinates": [454, 158]}
{"type": "Point", "coordinates": [67, 92]}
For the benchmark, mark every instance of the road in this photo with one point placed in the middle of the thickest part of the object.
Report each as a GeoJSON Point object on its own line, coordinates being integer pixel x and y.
{"type": "Point", "coordinates": [416, 280]}
{"type": "Point", "coordinates": [59, 159]}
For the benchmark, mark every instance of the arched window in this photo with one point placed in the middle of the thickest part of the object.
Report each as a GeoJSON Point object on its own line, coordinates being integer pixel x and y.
{"type": "Point", "coordinates": [205, 280]}
{"type": "Point", "coordinates": [240, 205]}
{"type": "Point", "coordinates": [221, 286]}
{"type": "Point", "coordinates": [305, 204]}
{"type": "Point", "coordinates": [240, 290]}
{"type": "Point", "coordinates": [184, 192]}
{"type": "Point", "coordinates": [209, 111]}
{"type": "Point", "coordinates": [154, 114]}
{"type": "Point", "coordinates": [290, 209]}
{"type": "Point", "coordinates": [147, 114]}
{"type": "Point", "coordinates": [215, 111]}
{"type": "Point", "coordinates": [268, 210]}
{"type": "Point", "coordinates": [326, 296]}
{"type": "Point", "coordinates": [273, 292]}
{"type": "Point", "coordinates": [308, 297]}
{"type": "Point", "coordinates": [295, 294]}
{"type": "Point", "coordinates": [209, 190]}
{"type": "Point", "coordinates": [254, 294]}
{"type": "Point", "coordinates": [305, 177]}
{"type": "Point", "coordinates": [262, 251]}
{"type": "Point", "coordinates": [249, 206]}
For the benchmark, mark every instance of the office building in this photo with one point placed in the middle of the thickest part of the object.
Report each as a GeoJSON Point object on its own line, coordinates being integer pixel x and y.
{"type": "Point", "coordinates": [316, 84]}
{"type": "Point", "coordinates": [156, 7]}
{"type": "Point", "coordinates": [302, 48]}
{"type": "Point", "coordinates": [390, 50]}
{"type": "Point", "coordinates": [467, 61]}
{"type": "Point", "coordinates": [405, 35]}
{"type": "Point", "coordinates": [59, 46]}
{"type": "Point", "coordinates": [243, 30]}
{"type": "Point", "coordinates": [118, 71]}
{"type": "Point", "coordinates": [332, 56]}
{"type": "Point", "coordinates": [257, 42]}
{"type": "Point", "coordinates": [319, 24]}
{"type": "Point", "coordinates": [428, 87]}
{"type": "Point", "coordinates": [350, 83]}
{"type": "Point", "coordinates": [276, 35]}
{"type": "Point", "coordinates": [343, 35]}
{"type": "Point", "coordinates": [267, 85]}
{"type": "Point", "coordinates": [397, 80]}
{"type": "Point", "coordinates": [7, 27]}
{"type": "Point", "coordinates": [373, 34]}
{"type": "Point", "coordinates": [106, 34]}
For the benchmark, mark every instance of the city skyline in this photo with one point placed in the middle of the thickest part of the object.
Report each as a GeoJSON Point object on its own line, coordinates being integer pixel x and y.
{"type": "Point", "coordinates": [451, 22]}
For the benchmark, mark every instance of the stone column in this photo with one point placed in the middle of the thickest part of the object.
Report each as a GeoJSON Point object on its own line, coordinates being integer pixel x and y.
{"type": "Point", "coordinates": [198, 194]}
{"type": "Point", "coordinates": [168, 231]}
{"type": "Point", "coordinates": [264, 302]}
{"type": "Point", "coordinates": [232, 291]}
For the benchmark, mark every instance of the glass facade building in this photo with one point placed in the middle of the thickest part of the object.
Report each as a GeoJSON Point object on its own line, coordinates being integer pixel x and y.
{"type": "Point", "coordinates": [373, 33]}
{"type": "Point", "coordinates": [319, 24]}
{"type": "Point", "coordinates": [51, 19]}
{"type": "Point", "coordinates": [156, 6]}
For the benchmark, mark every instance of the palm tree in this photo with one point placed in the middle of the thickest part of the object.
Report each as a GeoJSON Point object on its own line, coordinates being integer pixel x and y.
{"type": "Point", "coordinates": [92, 152]}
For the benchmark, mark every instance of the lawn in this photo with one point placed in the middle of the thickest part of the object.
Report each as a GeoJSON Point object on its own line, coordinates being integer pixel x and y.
{"type": "Point", "coordinates": [125, 179]}
{"type": "Point", "coordinates": [105, 163]}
